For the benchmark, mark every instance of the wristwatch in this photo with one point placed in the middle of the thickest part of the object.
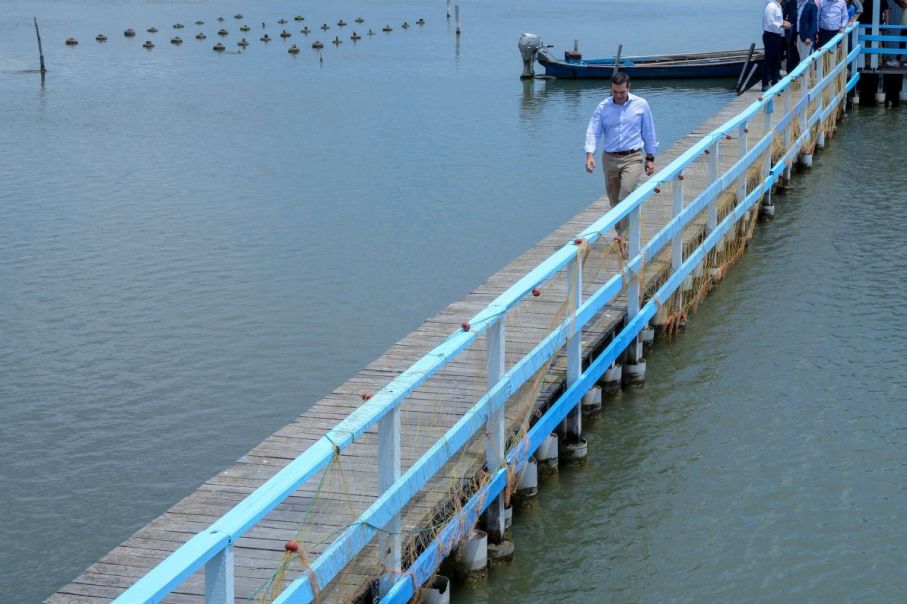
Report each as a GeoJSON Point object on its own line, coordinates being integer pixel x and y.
{"type": "Point", "coordinates": [650, 158]}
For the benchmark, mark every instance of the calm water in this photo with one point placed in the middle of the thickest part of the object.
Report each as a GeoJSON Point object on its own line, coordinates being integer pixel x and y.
{"type": "Point", "coordinates": [195, 247]}
{"type": "Point", "coordinates": [764, 459]}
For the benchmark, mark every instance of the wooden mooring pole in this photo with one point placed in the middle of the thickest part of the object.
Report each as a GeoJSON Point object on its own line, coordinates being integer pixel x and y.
{"type": "Point", "coordinates": [40, 50]}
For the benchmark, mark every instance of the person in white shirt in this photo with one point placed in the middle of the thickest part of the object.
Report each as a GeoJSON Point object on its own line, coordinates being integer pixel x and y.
{"type": "Point", "coordinates": [773, 26]}
{"type": "Point", "coordinates": [625, 121]}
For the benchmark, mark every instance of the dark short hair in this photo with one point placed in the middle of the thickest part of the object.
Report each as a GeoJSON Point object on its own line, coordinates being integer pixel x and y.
{"type": "Point", "coordinates": [621, 77]}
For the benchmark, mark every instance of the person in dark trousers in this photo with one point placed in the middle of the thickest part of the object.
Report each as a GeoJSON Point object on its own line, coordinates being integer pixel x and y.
{"type": "Point", "coordinates": [789, 10]}
{"type": "Point", "coordinates": [866, 19]}
{"type": "Point", "coordinates": [773, 26]}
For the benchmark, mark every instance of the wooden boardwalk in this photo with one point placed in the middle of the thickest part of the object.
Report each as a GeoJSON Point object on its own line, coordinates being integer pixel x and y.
{"type": "Point", "coordinates": [327, 504]}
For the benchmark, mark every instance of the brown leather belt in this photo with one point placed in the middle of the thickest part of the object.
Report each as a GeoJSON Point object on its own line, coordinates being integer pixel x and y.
{"type": "Point", "coordinates": [622, 153]}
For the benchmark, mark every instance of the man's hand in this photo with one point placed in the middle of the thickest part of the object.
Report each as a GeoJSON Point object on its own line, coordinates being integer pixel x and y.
{"type": "Point", "coordinates": [808, 42]}
{"type": "Point", "coordinates": [590, 162]}
{"type": "Point", "coordinates": [785, 24]}
{"type": "Point", "coordinates": [650, 167]}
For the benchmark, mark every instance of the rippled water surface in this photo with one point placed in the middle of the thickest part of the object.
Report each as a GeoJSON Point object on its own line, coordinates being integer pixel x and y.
{"type": "Point", "coordinates": [764, 459]}
{"type": "Point", "coordinates": [195, 247]}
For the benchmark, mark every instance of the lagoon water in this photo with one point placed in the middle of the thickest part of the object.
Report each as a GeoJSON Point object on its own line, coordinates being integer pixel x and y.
{"type": "Point", "coordinates": [194, 247]}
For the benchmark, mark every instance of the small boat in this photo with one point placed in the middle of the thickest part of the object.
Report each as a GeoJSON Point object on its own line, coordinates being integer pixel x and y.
{"type": "Point", "coordinates": [720, 64]}
{"type": "Point", "coordinates": [176, 40]}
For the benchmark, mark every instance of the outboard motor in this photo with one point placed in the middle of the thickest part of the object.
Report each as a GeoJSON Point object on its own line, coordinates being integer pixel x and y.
{"type": "Point", "coordinates": [529, 45]}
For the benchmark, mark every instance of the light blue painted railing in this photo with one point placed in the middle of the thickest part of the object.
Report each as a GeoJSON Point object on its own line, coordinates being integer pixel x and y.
{"type": "Point", "coordinates": [213, 547]}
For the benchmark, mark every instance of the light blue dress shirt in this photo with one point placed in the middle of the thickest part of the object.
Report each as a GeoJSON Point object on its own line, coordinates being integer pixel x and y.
{"type": "Point", "coordinates": [624, 127]}
{"type": "Point", "coordinates": [833, 15]}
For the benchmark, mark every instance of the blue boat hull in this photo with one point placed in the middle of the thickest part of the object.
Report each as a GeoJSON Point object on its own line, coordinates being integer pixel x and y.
{"type": "Point", "coordinates": [653, 67]}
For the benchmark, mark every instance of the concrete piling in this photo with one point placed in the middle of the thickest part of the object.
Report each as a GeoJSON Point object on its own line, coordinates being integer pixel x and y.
{"type": "Point", "coordinates": [436, 592]}
{"type": "Point", "coordinates": [592, 402]}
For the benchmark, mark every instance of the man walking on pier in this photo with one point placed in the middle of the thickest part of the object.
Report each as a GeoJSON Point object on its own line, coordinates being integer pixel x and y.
{"type": "Point", "coordinates": [625, 121]}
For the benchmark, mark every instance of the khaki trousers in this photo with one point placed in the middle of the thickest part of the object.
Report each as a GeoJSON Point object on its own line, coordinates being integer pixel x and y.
{"type": "Point", "coordinates": [622, 174]}
{"type": "Point", "coordinates": [805, 50]}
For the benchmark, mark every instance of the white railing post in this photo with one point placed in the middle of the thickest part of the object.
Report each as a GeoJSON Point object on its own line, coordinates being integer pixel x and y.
{"type": "Point", "coordinates": [767, 207]}
{"type": "Point", "coordinates": [676, 209]}
{"type": "Point", "coordinates": [770, 133]}
{"type": "Point", "coordinates": [572, 426]}
{"type": "Point", "coordinates": [845, 47]}
{"type": "Point", "coordinates": [713, 177]}
{"type": "Point", "coordinates": [787, 131]}
{"type": "Point", "coordinates": [634, 351]}
{"type": "Point", "coordinates": [820, 130]}
{"type": "Point", "coordinates": [804, 95]}
{"type": "Point", "coordinates": [494, 429]}
{"type": "Point", "coordinates": [390, 541]}
{"type": "Point", "coordinates": [219, 585]}
{"type": "Point", "coordinates": [742, 147]}
{"type": "Point", "coordinates": [876, 18]}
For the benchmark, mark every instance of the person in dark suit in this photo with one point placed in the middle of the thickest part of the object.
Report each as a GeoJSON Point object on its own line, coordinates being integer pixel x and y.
{"type": "Point", "coordinates": [807, 25]}
{"type": "Point", "coordinates": [789, 10]}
